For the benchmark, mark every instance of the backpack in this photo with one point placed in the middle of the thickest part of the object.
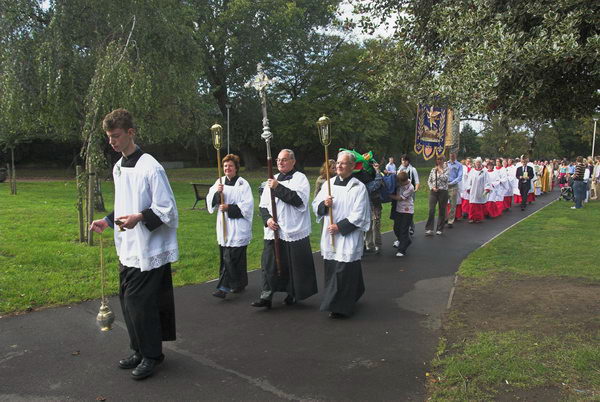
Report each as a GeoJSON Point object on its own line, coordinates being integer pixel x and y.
{"type": "Point", "coordinates": [388, 187]}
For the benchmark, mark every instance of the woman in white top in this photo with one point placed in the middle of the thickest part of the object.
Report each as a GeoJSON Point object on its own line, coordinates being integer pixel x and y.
{"type": "Point", "coordinates": [235, 210]}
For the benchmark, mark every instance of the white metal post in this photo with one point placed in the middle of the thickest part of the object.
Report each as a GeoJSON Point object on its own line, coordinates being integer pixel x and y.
{"type": "Point", "coordinates": [228, 106]}
{"type": "Point", "coordinates": [594, 137]}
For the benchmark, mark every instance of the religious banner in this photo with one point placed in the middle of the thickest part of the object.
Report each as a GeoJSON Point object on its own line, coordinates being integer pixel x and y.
{"type": "Point", "coordinates": [434, 130]}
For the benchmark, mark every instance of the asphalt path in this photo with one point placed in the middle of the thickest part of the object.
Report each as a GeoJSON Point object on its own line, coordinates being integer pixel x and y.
{"type": "Point", "coordinates": [229, 351]}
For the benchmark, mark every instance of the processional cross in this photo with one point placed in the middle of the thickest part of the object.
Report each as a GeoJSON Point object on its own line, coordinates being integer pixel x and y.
{"type": "Point", "coordinates": [260, 82]}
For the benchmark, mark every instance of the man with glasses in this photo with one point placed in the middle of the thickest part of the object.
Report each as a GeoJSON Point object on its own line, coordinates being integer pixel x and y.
{"type": "Point", "coordinates": [349, 198]}
{"type": "Point", "coordinates": [297, 277]}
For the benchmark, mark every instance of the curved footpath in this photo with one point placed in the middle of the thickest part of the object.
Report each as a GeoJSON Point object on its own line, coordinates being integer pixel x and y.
{"type": "Point", "coordinates": [227, 350]}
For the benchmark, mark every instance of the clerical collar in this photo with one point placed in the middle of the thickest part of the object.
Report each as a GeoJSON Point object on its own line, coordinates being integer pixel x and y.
{"type": "Point", "coordinates": [286, 176]}
{"type": "Point", "coordinates": [498, 167]}
{"type": "Point", "coordinates": [131, 160]}
{"type": "Point", "coordinates": [341, 182]}
{"type": "Point", "coordinates": [232, 181]}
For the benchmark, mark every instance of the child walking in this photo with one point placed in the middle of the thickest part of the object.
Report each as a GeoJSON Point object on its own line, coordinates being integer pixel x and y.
{"type": "Point", "coordinates": [402, 212]}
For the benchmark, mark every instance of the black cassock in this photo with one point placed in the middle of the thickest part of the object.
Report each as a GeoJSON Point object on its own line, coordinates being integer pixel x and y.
{"type": "Point", "coordinates": [344, 285]}
{"type": "Point", "coordinates": [146, 297]}
{"type": "Point", "coordinates": [148, 308]}
{"type": "Point", "coordinates": [298, 277]}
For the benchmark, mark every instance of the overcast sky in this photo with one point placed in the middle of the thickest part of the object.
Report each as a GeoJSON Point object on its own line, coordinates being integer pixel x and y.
{"type": "Point", "coordinates": [345, 10]}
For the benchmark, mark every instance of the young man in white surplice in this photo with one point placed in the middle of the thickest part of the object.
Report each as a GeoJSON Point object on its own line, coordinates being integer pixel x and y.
{"type": "Point", "coordinates": [146, 244]}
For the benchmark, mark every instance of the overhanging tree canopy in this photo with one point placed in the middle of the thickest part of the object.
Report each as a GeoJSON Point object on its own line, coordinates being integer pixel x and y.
{"type": "Point", "coordinates": [533, 59]}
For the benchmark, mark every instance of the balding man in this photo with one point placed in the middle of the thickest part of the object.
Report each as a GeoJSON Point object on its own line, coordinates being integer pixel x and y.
{"type": "Point", "coordinates": [350, 205]}
{"type": "Point", "coordinates": [298, 278]}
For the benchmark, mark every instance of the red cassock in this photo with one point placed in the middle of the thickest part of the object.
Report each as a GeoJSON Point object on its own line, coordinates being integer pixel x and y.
{"type": "Point", "coordinates": [465, 206]}
{"type": "Point", "coordinates": [530, 198]}
{"type": "Point", "coordinates": [492, 210]}
{"type": "Point", "coordinates": [476, 212]}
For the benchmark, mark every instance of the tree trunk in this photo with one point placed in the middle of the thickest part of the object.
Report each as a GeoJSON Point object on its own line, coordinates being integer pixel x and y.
{"type": "Point", "coordinates": [80, 219]}
{"type": "Point", "coordinates": [13, 175]}
{"type": "Point", "coordinates": [504, 123]}
{"type": "Point", "coordinates": [90, 200]}
{"type": "Point", "coordinates": [99, 204]}
{"type": "Point", "coordinates": [251, 161]}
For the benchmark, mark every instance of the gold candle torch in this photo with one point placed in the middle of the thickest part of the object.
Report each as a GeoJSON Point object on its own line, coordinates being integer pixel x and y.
{"type": "Point", "coordinates": [217, 137]}
{"type": "Point", "coordinates": [324, 131]}
{"type": "Point", "coordinates": [105, 317]}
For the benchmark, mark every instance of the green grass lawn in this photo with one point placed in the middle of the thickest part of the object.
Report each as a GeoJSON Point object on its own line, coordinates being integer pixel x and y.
{"type": "Point", "coordinates": [42, 264]}
{"type": "Point", "coordinates": [558, 246]}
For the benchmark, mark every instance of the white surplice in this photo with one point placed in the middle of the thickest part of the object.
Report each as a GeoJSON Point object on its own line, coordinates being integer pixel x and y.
{"type": "Point", "coordinates": [349, 202]}
{"type": "Point", "coordinates": [136, 189]}
{"type": "Point", "coordinates": [477, 184]}
{"type": "Point", "coordinates": [239, 230]}
{"type": "Point", "coordinates": [513, 182]}
{"type": "Point", "coordinates": [497, 192]}
{"type": "Point", "coordinates": [294, 222]}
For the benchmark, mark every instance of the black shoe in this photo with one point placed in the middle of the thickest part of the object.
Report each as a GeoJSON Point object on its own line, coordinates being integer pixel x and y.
{"type": "Point", "coordinates": [289, 300]}
{"type": "Point", "coordinates": [337, 315]}
{"type": "Point", "coordinates": [450, 226]}
{"type": "Point", "coordinates": [220, 294]}
{"type": "Point", "coordinates": [411, 232]}
{"type": "Point", "coordinates": [131, 361]}
{"type": "Point", "coordinates": [146, 368]}
{"type": "Point", "coordinates": [262, 303]}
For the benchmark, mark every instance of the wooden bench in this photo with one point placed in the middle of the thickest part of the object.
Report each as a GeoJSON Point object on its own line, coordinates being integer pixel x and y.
{"type": "Point", "coordinates": [200, 190]}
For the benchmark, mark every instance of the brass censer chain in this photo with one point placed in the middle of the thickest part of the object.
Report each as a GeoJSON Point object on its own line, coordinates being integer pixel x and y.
{"type": "Point", "coordinates": [105, 317]}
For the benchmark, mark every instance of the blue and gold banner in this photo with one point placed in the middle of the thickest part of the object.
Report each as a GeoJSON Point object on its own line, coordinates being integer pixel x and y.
{"type": "Point", "coordinates": [434, 130]}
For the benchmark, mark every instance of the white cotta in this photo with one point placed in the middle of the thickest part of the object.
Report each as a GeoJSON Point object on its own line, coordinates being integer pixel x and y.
{"type": "Point", "coordinates": [495, 178]}
{"type": "Point", "coordinates": [513, 182]}
{"type": "Point", "coordinates": [239, 230]}
{"type": "Point", "coordinates": [136, 189]}
{"type": "Point", "coordinates": [477, 184]}
{"type": "Point", "coordinates": [349, 202]}
{"type": "Point", "coordinates": [464, 183]}
{"type": "Point", "coordinates": [293, 221]}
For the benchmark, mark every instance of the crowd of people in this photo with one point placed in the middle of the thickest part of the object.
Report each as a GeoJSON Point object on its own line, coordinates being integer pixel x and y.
{"type": "Point", "coordinates": [348, 206]}
{"type": "Point", "coordinates": [476, 189]}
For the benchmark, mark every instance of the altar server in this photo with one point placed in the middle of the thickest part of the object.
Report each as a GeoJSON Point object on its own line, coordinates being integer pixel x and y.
{"type": "Point", "coordinates": [238, 208]}
{"type": "Point", "coordinates": [349, 199]}
{"type": "Point", "coordinates": [146, 244]}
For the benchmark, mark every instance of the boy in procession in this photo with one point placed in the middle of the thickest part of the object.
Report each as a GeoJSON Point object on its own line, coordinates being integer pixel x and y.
{"type": "Point", "coordinates": [146, 244]}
